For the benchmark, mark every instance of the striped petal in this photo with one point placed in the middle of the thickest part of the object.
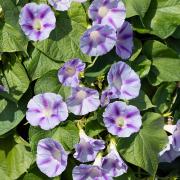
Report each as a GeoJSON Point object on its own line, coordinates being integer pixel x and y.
{"type": "Point", "coordinates": [90, 172]}
{"type": "Point", "coordinates": [108, 12]}
{"type": "Point", "coordinates": [37, 21]}
{"type": "Point", "coordinates": [83, 100]}
{"type": "Point", "coordinates": [123, 81]}
{"type": "Point", "coordinates": [121, 119]}
{"type": "Point", "coordinates": [113, 164]}
{"type": "Point", "coordinates": [124, 43]}
{"type": "Point", "coordinates": [68, 74]}
{"type": "Point", "coordinates": [98, 40]}
{"type": "Point", "coordinates": [87, 149]}
{"type": "Point", "coordinates": [60, 5]}
{"type": "Point", "coordinates": [51, 157]}
{"type": "Point", "coordinates": [46, 110]}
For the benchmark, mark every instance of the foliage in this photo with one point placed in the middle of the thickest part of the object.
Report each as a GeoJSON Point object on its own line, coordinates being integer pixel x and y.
{"type": "Point", "coordinates": [29, 68]}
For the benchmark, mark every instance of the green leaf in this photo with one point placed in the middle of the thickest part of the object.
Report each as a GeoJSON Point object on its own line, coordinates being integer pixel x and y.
{"type": "Point", "coordinates": [67, 134]}
{"type": "Point", "coordinates": [163, 17]}
{"type": "Point", "coordinates": [153, 49]}
{"type": "Point", "coordinates": [35, 174]}
{"type": "Point", "coordinates": [136, 50]}
{"type": "Point", "coordinates": [15, 76]}
{"type": "Point", "coordinates": [142, 149]}
{"type": "Point", "coordinates": [142, 102]}
{"type": "Point", "coordinates": [174, 44]}
{"type": "Point", "coordinates": [15, 159]}
{"type": "Point", "coordinates": [176, 34]}
{"type": "Point", "coordinates": [163, 96]}
{"type": "Point", "coordinates": [164, 70]}
{"type": "Point", "coordinates": [165, 62]}
{"type": "Point", "coordinates": [63, 43]}
{"type": "Point", "coordinates": [50, 83]}
{"type": "Point", "coordinates": [137, 7]}
{"type": "Point", "coordinates": [39, 64]}
{"type": "Point", "coordinates": [94, 124]}
{"type": "Point", "coordinates": [101, 65]}
{"type": "Point", "coordinates": [11, 37]}
{"type": "Point", "coordinates": [141, 66]}
{"type": "Point", "coordinates": [11, 114]}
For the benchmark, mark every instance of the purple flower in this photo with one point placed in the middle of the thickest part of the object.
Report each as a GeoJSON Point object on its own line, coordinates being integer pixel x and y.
{"type": "Point", "coordinates": [80, 1]}
{"type": "Point", "coordinates": [37, 21]}
{"type": "Point", "coordinates": [60, 5]}
{"type": "Point", "coordinates": [108, 12]}
{"type": "Point", "coordinates": [2, 88]}
{"type": "Point", "coordinates": [68, 74]}
{"type": "Point", "coordinates": [176, 137]}
{"type": "Point", "coordinates": [123, 81]}
{"type": "Point", "coordinates": [89, 172]}
{"type": "Point", "coordinates": [87, 148]}
{"type": "Point", "coordinates": [83, 100]}
{"type": "Point", "coordinates": [106, 96]}
{"type": "Point", "coordinates": [124, 43]}
{"type": "Point", "coordinates": [98, 40]}
{"type": "Point", "coordinates": [113, 164]}
{"type": "Point", "coordinates": [168, 154]}
{"type": "Point", "coordinates": [51, 157]}
{"type": "Point", "coordinates": [46, 110]}
{"type": "Point", "coordinates": [170, 128]}
{"type": "Point", "coordinates": [121, 119]}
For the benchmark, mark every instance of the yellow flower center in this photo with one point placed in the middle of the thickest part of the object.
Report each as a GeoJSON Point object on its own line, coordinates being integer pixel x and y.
{"type": "Point", "coordinates": [120, 121]}
{"type": "Point", "coordinates": [117, 82]}
{"type": "Point", "coordinates": [47, 113]}
{"type": "Point", "coordinates": [56, 154]}
{"type": "Point", "coordinates": [94, 35]}
{"type": "Point", "coordinates": [81, 95]}
{"type": "Point", "coordinates": [70, 71]}
{"type": "Point", "coordinates": [95, 172]}
{"type": "Point", "coordinates": [37, 24]}
{"type": "Point", "coordinates": [103, 11]}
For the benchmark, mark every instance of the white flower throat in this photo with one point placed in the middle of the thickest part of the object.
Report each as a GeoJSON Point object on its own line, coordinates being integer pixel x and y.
{"type": "Point", "coordinates": [37, 25]}
{"type": "Point", "coordinates": [103, 11]}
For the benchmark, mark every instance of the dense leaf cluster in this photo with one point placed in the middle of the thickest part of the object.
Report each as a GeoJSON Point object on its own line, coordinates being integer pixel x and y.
{"type": "Point", "coordinates": [29, 68]}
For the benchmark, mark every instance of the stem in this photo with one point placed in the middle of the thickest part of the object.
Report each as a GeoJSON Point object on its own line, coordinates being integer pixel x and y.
{"type": "Point", "coordinates": [173, 100]}
{"type": "Point", "coordinates": [94, 60]}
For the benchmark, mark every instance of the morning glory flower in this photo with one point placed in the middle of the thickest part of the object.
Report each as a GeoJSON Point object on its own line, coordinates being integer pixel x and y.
{"type": "Point", "coordinates": [112, 163]}
{"type": "Point", "coordinates": [124, 43]}
{"type": "Point", "coordinates": [98, 40]}
{"type": "Point", "coordinates": [60, 5]}
{"type": "Point", "coordinates": [123, 81]}
{"type": "Point", "coordinates": [2, 89]}
{"type": "Point", "coordinates": [68, 74]}
{"type": "Point", "coordinates": [170, 128]}
{"type": "Point", "coordinates": [106, 96]}
{"type": "Point", "coordinates": [168, 154]}
{"type": "Point", "coordinates": [81, 1]}
{"type": "Point", "coordinates": [83, 100]}
{"type": "Point", "coordinates": [51, 157]}
{"type": "Point", "coordinates": [46, 110]}
{"type": "Point", "coordinates": [121, 119]}
{"type": "Point", "coordinates": [176, 137]}
{"type": "Point", "coordinates": [37, 21]}
{"type": "Point", "coordinates": [87, 148]}
{"type": "Point", "coordinates": [90, 172]}
{"type": "Point", "coordinates": [108, 12]}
